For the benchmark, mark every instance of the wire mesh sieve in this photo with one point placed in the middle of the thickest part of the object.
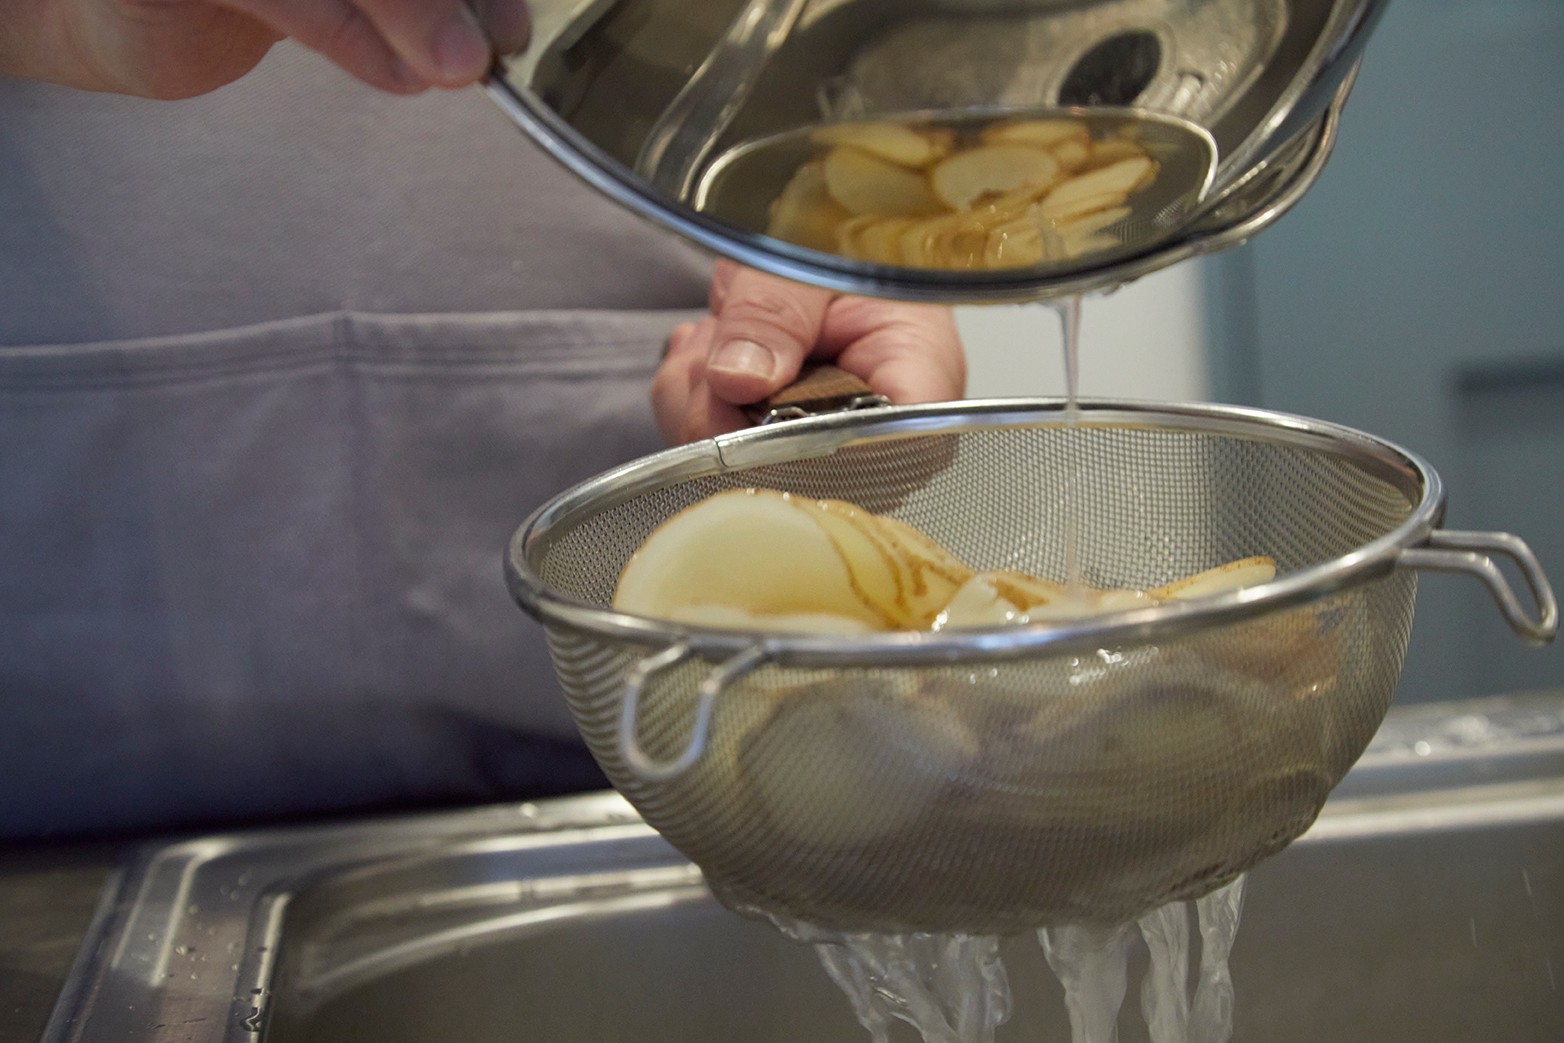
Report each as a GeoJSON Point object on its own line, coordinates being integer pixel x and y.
{"type": "Point", "coordinates": [996, 780]}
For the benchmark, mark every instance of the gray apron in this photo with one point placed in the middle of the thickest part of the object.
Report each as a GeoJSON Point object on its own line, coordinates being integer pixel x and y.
{"type": "Point", "coordinates": [281, 369]}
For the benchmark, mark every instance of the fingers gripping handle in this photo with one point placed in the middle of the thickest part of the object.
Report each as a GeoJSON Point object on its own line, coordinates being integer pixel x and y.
{"type": "Point", "coordinates": [1472, 553]}
{"type": "Point", "coordinates": [640, 763]}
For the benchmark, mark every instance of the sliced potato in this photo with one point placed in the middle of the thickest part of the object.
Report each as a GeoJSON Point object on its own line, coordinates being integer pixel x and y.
{"type": "Point", "coordinates": [1247, 572]}
{"type": "Point", "coordinates": [865, 547]}
{"type": "Point", "coordinates": [1072, 154]}
{"type": "Point", "coordinates": [731, 617]}
{"type": "Point", "coordinates": [1122, 600]}
{"type": "Point", "coordinates": [865, 184]}
{"type": "Point", "coordinates": [1092, 222]}
{"type": "Point", "coordinates": [852, 760]}
{"type": "Point", "coordinates": [961, 180]}
{"type": "Point", "coordinates": [977, 603]}
{"type": "Point", "coordinates": [931, 574]}
{"type": "Point", "coordinates": [1081, 245]}
{"type": "Point", "coordinates": [888, 141]}
{"type": "Point", "coordinates": [805, 213]}
{"type": "Point", "coordinates": [1069, 208]}
{"type": "Point", "coordinates": [1024, 591]}
{"type": "Point", "coordinates": [960, 240]}
{"type": "Point", "coordinates": [873, 237]}
{"type": "Point", "coordinates": [706, 555]}
{"type": "Point", "coordinates": [1044, 133]}
{"type": "Point", "coordinates": [1112, 150]}
{"type": "Point", "coordinates": [1016, 244]}
{"type": "Point", "coordinates": [771, 562]}
{"type": "Point", "coordinates": [1114, 182]}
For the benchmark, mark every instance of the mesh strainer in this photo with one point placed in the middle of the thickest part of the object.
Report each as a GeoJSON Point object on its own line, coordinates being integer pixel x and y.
{"type": "Point", "coordinates": [990, 781]}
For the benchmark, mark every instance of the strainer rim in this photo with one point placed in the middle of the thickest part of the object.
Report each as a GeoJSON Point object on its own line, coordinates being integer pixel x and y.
{"type": "Point", "coordinates": [820, 436]}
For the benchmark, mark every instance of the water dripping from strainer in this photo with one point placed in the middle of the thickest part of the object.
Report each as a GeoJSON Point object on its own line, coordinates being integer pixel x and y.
{"type": "Point", "coordinates": [1091, 962]}
{"type": "Point", "coordinates": [953, 988]}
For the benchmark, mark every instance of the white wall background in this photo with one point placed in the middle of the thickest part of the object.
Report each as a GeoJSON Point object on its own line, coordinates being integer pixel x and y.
{"type": "Point", "coordinates": [1146, 341]}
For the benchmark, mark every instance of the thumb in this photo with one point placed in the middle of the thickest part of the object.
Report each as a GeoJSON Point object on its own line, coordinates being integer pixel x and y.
{"type": "Point", "coordinates": [765, 328]}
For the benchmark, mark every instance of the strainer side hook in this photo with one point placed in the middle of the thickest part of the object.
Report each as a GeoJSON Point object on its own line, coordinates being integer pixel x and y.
{"type": "Point", "coordinates": [1469, 552]}
{"type": "Point", "coordinates": [640, 763]}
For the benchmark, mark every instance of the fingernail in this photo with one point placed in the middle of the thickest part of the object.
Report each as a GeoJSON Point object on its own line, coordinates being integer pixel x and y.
{"type": "Point", "coordinates": [744, 356]}
{"type": "Point", "coordinates": [460, 49]}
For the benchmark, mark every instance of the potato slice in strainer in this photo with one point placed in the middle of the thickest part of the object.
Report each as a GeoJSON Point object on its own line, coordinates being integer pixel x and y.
{"type": "Point", "coordinates": [761, 552]}
{"type": "Point", "coordinates": [1246, 572]}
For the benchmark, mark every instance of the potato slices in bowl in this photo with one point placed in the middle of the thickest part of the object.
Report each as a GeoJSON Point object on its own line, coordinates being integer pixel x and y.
{"type": "Point", "coordinates": [977, 196]}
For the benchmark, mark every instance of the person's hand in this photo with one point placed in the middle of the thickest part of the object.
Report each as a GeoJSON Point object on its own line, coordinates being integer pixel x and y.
{"type": "Point", "coordinates": [761, 330]}
{"type": "Point", "coordinates": [181, 48]}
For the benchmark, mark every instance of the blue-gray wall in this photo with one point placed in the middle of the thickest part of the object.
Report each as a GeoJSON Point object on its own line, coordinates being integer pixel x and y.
{"type": "Point", "coordinates": [1417, 292]}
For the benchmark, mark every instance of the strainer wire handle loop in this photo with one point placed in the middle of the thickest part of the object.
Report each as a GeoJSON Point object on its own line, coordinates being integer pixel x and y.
{"type": "Point", "coordinates": [636, 759]}
{"type": "Point", "coordinates": [1449, 550]}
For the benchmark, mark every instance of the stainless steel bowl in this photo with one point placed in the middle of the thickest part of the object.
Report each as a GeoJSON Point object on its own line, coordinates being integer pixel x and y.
{"type": "Point", "coordinates": [640, 96]}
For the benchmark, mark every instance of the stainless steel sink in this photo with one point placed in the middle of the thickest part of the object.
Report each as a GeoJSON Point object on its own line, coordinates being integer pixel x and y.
{"type": "Point", "coordinates": [1427, 905]}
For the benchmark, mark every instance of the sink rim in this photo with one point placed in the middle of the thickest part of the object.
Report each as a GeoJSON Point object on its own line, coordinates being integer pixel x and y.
{"type": "Point", "coordinates": [1428, 769]}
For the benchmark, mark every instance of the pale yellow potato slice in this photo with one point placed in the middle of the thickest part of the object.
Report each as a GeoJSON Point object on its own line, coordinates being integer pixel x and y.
{"type": "Point", "coordinates": [1123, 600]}
{"type": "Point", "coordinates": [888, 141]}
{"type": "Point", "coordinates": [919, 243]}
{"type": "Point", "coordinates": [849, 761]}
{"type": "Point", "coordinates": [1235, 575]}
{"type": "Point", "coordinates": [1016, 244]}
{"type": "Point", "coordinates": [760, 551]}
{"type": "Point", "coordinates": [731, 617]}
{"type": "Point", "coordinates": [876, 238]}
{"type": "Point", "coordinates": [1113, 150]}
{"type": "Point", "coordinates": [1085, 234]}
{"type": "Point", "coordinates": [1113, 183]}
{"type": "Point", "coordinates": [853, 239]}
{"type": "Point", "coordinates": [877, 576]}
{"type": "Point", "coordinates": [883, 240]}
{"type": "Point", "coordinates": [1072, 154]}
{"type": "Point", "coordinates": [1092, 222]}
{"type": "Point", "coordinates": [960, 240]}
{"type": "Point", "coordinates": [975, 174]}
{"type": "Point", "coordinates": [805, 213]}
{"type": "Point", "coordinates": [977, 603]}
{"type": "Point", "coordinates": [1066, 210]}
{"type": "Point", "coordinates": [1078, 605]}
{"type": "Point", "coordinates": [866, 184]}
{"type": "Point", "coordinates": [1042, 133]}
{"type": "Point", "coordinates": [1024, 591]}
{"type": "Point", "coordinates": [1080, 246]}
{"type": "Point", "coordinates": [930, 574]}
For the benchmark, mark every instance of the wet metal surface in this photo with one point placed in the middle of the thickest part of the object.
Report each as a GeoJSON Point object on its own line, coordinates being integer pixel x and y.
{"type": "Point", "coordinates": [1427, 904]}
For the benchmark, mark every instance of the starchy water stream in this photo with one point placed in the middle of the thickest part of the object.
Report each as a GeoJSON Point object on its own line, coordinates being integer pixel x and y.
{"type": "Point", "coordinates": [954, 988]}
{"type": "Point", "coordinates": [1069, 312]}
